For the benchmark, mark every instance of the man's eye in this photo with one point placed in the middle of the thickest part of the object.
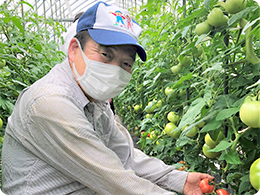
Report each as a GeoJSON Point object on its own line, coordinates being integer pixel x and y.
{"type": "Point", "coordinates": [105, 54]}
{"type": "Point", "coordinates": [128, 65]}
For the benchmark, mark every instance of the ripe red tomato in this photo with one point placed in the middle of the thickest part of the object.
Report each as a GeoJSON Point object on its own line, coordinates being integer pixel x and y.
{"type": "Point", "coordinates": [205, 185]}
{"type": "Point", "coordinates": [222, 192]}
{"type": "Point", "coordinates": [181, 168]}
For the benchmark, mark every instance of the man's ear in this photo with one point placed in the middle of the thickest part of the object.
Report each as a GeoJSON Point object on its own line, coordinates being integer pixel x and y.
{"type": "Point", "coordinates": [73, 47]}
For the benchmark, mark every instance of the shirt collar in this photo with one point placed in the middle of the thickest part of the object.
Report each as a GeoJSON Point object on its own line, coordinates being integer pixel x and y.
{"type": "Point", "coordinates": [80, 96]}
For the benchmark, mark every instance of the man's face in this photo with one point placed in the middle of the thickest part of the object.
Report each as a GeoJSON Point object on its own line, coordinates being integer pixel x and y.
{"type": "Point", "coordinates": [123, 55]}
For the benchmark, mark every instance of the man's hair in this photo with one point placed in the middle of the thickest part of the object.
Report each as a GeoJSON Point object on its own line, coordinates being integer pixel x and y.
{"type": "Point", "coordinates": [82, 37]}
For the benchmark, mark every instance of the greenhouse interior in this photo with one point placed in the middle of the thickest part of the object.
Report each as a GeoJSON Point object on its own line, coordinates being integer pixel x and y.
{"type": "Point", "coordinates": [128, 97]}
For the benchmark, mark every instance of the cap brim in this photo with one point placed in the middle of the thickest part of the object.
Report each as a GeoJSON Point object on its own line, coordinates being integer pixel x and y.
{"type": "Point", "coordinates": [108, 37]}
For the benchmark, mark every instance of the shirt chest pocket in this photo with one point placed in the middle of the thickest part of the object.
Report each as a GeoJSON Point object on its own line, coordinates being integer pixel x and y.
{"type": "Point", "coordinates": [103, 128]}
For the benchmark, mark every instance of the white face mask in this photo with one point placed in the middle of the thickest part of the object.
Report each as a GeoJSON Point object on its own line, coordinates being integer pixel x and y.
{"type": "Point", "coordinates": [101, 81]}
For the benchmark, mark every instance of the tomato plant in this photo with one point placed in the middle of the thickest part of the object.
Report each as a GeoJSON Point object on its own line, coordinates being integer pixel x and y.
{"type": "Point", "coordinates": [206, 186]}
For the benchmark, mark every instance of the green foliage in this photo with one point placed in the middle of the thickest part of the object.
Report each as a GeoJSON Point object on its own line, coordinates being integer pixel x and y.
{"type": "Point", "coordinates": [211, 89]}
{"type": "Point", "coordinates": [28, 51]}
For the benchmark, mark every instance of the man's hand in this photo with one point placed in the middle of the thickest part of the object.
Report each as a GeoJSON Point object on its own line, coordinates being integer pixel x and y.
{"type": "Point", "coordinates": [192, 183]}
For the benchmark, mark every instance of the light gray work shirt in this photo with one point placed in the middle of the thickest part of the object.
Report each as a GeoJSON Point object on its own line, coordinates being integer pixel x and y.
{"type": "Point", "coordinates": [57, 142]}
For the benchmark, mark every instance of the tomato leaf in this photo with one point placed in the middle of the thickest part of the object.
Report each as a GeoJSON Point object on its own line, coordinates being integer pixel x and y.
{"type": "Point", "coordinates": [232, 158]}
{"type": "Point", "coordinates": [212, 125]}
{"type": "Point", "coordinates": [206, 4]}
{"type": "Point", "coordinates": [201, 39]}
{"type": "Point", "coordinates": [26, 4]}
{"type": "Point", "coordinates": [17, 21]}
{"type": "Point", "coordinates": [215, 66]}
{"type": "Point", "coordinates": [240, 15]}
{"type": "Point", "coordinates": [226, 113]}
{"type": "Point", "coordinates": [182, 141]}
{"type": "Point", "coordinates": [244, 184]}
{"type": "Point", "coordinates": [184, 78]}
{"type": "Point", "coordinates": [208, 93]}
{"type": "Point", "coordinates": [185, 31]}
{"type": "Point", "coordinates": [193, 111]}
{"type": "Point", "coordinates": [223, 145]}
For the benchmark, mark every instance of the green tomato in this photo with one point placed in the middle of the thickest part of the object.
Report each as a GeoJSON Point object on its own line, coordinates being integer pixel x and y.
{"type": "Point", "coordinates": [169, 130]}
{"type": "Point", "coordinates": [2, 63]}
{"type": "Point", "coordinates": [168, 91]}
{"type": "Point", "coordinates": [176, 69]}
{"type": "Point", "coordinates": [224, 20]}
{"type": "Point", "coordinates": [137, 133]}
{"type": "Point", "coordinates": [149, 116]}
{"type": "Point", "coordinates": [211, 142]}
{"type": "Point", "coordinates": [249, 113]}
{"type": "Point", "coordinates": [192, 132]}
{"type": "Point", "coordinates": [153, 135]}
{"type": "Point", "coordinates": [254, 174]}
{"type": "Point", "coordinates": [136, 128]}
{"type": "Point", "coordinates": [182, 92]}
{"type": "Point", "coordinates": [1, 123]}
{"type": "Point", "coordinates": [159, 104]}
{"type": "Point", "coordinates": [137, 108]}
{"type": "Point", "coordinates": [215, 17]}
{"type": "Point", "coordinates": [159, 142]}
{"type": "Point", "coordinates": [9, 28]}
{"type": "Point", "coordinates": [202, 28]}
{"type": "Point", "coordinates": [151, 107]}
{"type": "Point", "coordinates": [208, 154]}
{"type": "Point", "coordinates": [220, 137]}
{"type": "Point", "coordinates": [173, 117]}
{"type": "Point", "coordinates": [235, 6]}
{"type": "Point", "coordinates": [197, 51]}
{"type": "Point", "coordinates": [184, 61]}
{"type": "Point", "coordinates": [201, 124]}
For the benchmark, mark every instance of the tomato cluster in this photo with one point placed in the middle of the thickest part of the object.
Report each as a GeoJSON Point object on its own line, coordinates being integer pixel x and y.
{"type": "Point", "coordinates": [207, 186]}
{"type": "Point", "coordinates": [216, 17]}
{"type": "Point", "coordinates": [211, 143]}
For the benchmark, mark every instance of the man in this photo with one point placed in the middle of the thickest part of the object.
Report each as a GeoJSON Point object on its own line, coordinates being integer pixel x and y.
{"type": "Point", "coordinates": [62, 138]}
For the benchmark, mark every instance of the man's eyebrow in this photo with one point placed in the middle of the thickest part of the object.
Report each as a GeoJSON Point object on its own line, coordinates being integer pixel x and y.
{"type": "Point", "coordinates": [133, 56]}
{"type": "Point", "coordinates": [131, 50]}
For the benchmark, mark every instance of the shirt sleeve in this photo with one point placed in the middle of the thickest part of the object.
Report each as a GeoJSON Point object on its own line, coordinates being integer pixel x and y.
{"type": "Point", "coordinates": [150, 168]}
{"type": "Point", "coordinates": [59, 133]}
